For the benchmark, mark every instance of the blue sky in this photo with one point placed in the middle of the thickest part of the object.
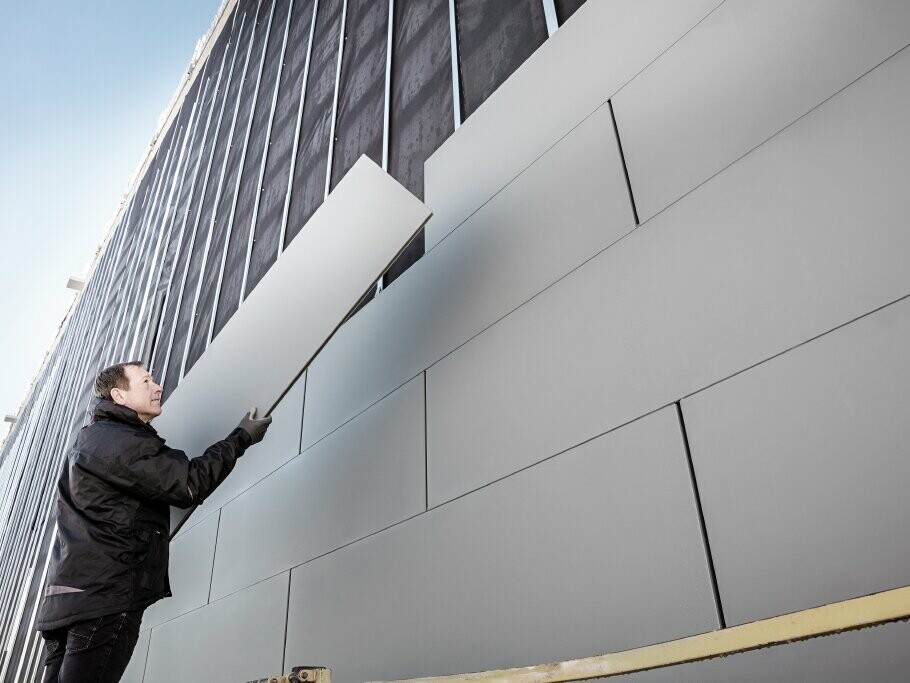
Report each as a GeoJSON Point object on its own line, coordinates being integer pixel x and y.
{"type": "Point", "coordinates": [83, 85]}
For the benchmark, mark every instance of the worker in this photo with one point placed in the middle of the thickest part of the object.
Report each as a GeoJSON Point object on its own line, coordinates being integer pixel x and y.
{"type": "Point", "coordinates": [110, 557]}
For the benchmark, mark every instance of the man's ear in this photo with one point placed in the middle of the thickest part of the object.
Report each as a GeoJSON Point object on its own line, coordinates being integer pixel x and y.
{"type": "Point", "coordinates": [117, 395]}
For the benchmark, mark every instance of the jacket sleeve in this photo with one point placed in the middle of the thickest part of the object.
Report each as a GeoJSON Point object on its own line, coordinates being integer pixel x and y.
{"type": "Point", "coordinates": [156, 472]}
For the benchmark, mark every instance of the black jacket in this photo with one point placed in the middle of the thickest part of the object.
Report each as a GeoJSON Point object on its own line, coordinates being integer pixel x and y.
{"type": "Point", "coordinates": [113, 514]}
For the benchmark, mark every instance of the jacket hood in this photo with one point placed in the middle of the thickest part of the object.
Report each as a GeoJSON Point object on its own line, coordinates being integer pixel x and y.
{"type": "Point", "coordinates": [105, 409]}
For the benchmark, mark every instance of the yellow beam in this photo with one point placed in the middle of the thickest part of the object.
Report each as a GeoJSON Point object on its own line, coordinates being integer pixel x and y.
{"type": "Point", "coordinates": [837, 617]}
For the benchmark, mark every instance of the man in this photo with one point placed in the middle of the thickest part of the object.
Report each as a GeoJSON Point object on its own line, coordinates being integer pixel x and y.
{"type": "Point", "coordinates": [110, 557]}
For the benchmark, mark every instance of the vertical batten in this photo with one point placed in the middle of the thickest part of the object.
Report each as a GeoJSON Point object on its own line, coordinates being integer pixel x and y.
{"type": "Point", "coordinates": [341, 41]}
{"type": "Point", "coordinates": [549, 12]}
{"type": "Point", "coordinates": [456, 79]}
{"type": "Point", "coordinates": [388, 89]}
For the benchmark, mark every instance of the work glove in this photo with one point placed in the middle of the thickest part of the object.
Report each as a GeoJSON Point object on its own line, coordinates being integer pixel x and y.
{"type": "Point", "coordinates": [255, 427]}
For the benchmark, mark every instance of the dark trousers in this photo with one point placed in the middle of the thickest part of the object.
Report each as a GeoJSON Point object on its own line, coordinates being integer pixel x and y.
{"type": "Point", "coordinates": [92, 651]}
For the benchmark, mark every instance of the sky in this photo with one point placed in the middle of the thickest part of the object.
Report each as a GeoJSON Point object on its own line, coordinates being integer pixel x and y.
{"type": "Point", "coordinates": [83, 85]}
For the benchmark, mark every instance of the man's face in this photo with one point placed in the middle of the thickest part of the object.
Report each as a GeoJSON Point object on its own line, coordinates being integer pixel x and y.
{"type": "Point", "coordinates": [143, 395]}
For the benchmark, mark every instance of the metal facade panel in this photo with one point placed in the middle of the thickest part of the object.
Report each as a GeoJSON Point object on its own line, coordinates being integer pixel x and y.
{"type": "Point", "coordinates": [803, 234]}
{"type": "Point", "coordinates": [295, 308]}
{"type": "Point", "coordinates": [135, 670]}
{"type": "Point", "coordinates": [808, 453]}
{"type": "Point", "coordinates": [190, 569]}
{"type": "Point", "coordinates": [365, 477]}
{"type": "Point", "coordinates": [308, 187]}
{"type": "Point", "coordinates": [238, 638]}
{"type": "Point", "coordinates": [421, 98]}
{"type": "Point", "coordinates": [571, 75]}
{"type": "Point", "coordinates": [877, 654]}
{"type": "Point", "coordinates": [494, 39]}
{"type": "Point", "coordinates": [690, 114]}
{"type": "Point", "coordinates": [280, 445]}
{"type": "Point", "coordinates": [361, 90]}
{"type": "Point", "coordinates": [250, 140]}
{"type": "Point", "coordinates": [276, 177]}
{"type": "Point", "coordinates": [568, 206]}
{"type": "Point", "coordinates": [596, 550]}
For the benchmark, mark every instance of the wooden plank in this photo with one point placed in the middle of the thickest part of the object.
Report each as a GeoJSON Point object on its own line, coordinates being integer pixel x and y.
{"type": "Point", "coordinates": [838, 617]}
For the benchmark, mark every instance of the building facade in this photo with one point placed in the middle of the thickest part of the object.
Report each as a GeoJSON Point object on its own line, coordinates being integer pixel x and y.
{"type": "Point", "coordinates": [643, 374]}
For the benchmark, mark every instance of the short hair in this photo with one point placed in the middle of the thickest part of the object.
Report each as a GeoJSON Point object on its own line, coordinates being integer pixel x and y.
{"type": "Point", "coordinates": [114, 376]}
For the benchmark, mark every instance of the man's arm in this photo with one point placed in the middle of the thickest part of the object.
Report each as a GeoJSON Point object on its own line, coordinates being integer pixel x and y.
{"type": "Point", "coordinates": [156, 472]}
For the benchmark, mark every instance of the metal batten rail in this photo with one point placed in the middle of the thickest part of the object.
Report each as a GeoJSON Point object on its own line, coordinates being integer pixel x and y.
{"type": "Point", "coordinates": [456, 79]}
{"type": "Point", "coordinates": [549, 13]}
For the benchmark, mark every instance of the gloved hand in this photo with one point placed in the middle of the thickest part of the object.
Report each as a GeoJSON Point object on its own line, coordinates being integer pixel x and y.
{"type": "Point", "coordinates": [255, 428]}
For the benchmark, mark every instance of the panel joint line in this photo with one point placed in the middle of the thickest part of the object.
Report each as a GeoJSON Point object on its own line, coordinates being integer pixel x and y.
{"type": "Point", "coordinates": [622, 159]}
{"type": "Point", "coordinates": [722, 622]}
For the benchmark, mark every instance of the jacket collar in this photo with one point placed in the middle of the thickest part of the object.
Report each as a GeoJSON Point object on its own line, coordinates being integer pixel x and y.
{"type": "Point", "coordinates": [104, 409]}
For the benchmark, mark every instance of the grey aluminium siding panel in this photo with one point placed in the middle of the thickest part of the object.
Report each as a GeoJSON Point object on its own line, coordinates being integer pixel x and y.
{"type": "Point", "coordinates": [135, 670]}
{"type": "Point", "coordinates": [361, 89]}
{"type": "Point", "coordinates": [308, 186]}
{"type": "Point", "coordinates": [281, 145]}
{"type": "Point", "coordinates": [190, 570]}
{"type": "Point", "coordinates": [690, 114]}
{"type": "Point", "coordinates": [527, 570]}
{"type": "Point", "coordinates": [572, 74]}
{"type": "Point", "coordinates": [237, 638]}
{"type": "Point", "coordinates": [494, 39]}
{"type": "Point", "coordinates": [281, 444]}
{"type": "Point", "coordinates": [366, 476]}
{"type": "Point", "coordinates": [568, 206]}
{"type": "Point", "coordinates": [874, 654]}
{"type": "Point", "coordinates": [369, 208]}
{"type": "Point", "coordinates": [250, 139]}
{"type": "Point", "coordinates": [728, 277]}
{"type": "Point", "coordinates": [808, 453]}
